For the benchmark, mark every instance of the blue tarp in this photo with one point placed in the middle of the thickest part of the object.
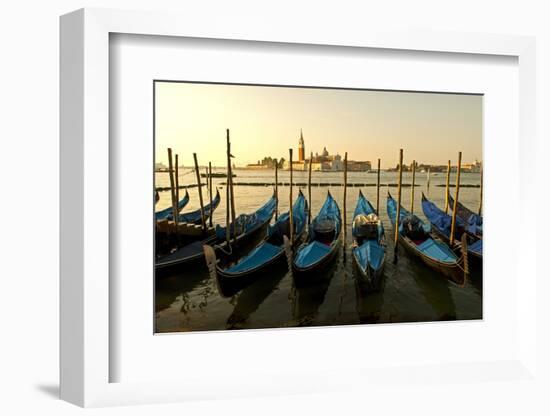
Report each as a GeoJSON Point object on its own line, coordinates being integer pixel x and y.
{"type": "Point", "coordinates": [370, 251]}
{"type": "Point", "coordinates": [436, 250]}
{"type": "Point", "coordinates": [265, 252]}
{"type": "Point", "coordinates": [313, 252]}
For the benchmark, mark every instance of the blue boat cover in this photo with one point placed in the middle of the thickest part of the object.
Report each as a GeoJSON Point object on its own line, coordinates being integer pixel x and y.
{"type": "Point", "coordinates": [467, 215]}
{"type": "Point", "coordinates": [311, 253]}
{"type": "Point", "coordinates": [437, 250]}
{"type": "Point", "coordinates": [314, 251]}
{"type": "Point", "coordinates": [247, 222]}
{"type": "Point", "coordinates": [442, 222]}
{"type": "Point", "coordinates": [265, 252]}
{"type": "Point", "coordinates": [194, 217]}
{"type": "Point", "coordinates": [262, 254]}
{"type": "Point", "coordinates": [476, 247]}
{"type": "Point", "coordinates": [370, 252]}
{"type": "Point", "coordinates": [167, 213]}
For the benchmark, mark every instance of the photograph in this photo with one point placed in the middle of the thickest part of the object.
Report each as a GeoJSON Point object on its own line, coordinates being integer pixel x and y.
{"type": "Point", "coordinates": [297, 206]}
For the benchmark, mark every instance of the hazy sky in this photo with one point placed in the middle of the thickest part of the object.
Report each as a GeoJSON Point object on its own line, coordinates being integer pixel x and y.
{"type": "Point", "coordinates": [266, 121]}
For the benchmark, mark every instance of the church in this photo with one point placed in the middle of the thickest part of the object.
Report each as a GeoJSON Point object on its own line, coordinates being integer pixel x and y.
{"type": "Point", "coordinates": [322, 162]}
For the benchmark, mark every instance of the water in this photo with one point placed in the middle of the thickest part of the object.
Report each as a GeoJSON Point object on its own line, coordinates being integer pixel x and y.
{"type": "Point", "coordinates": [410, 292]}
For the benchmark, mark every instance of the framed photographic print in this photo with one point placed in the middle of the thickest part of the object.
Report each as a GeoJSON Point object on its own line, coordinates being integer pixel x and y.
{"type": "Point", "coordinates": [339, 240]}
{"type": "Point", "coordinates": [229, 205]}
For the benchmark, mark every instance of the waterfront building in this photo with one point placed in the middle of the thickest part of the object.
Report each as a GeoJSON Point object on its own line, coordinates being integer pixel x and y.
{"type": "Point", "coordinates": [301, 148]}
{"type": "Point", "coordinates": [324, 162]}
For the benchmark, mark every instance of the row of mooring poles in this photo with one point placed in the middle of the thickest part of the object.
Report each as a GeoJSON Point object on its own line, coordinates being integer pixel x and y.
{"type": "Point", "coordinates": [399, 186]}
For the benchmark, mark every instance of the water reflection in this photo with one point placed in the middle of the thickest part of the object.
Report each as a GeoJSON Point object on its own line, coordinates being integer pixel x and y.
{"type": "Point", "coordinates": [435, 289]}
{"type": "Point", "coordinates": [251, 297]}
{"type": "Point", "coordinates": [170, 287]}
{"type": "Point", "coordinates": [368, 301]}
{"type": "Point", "coordinates": [306, 299]}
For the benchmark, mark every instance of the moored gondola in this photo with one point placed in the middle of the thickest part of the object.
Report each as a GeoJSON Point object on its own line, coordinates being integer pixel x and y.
{"type": "Point", "coordinates": [267, 254]}
{"type": "Point", "coordinates": [441, 226]}
{"type": "Point", "coordinates": [414, 235]}
{"type": "Point", "coordinates": [194, 217]}
{"type": "Point", "coordinates": [321, 247]}
{"type": "Point", "coordinates": [474, 221]}
{"type": "Point", "coordinates": [167, 212]}
{"type": "Point", "coordinates": [369, 245]}
{"type": "Point", "coordinates": [246, 228]}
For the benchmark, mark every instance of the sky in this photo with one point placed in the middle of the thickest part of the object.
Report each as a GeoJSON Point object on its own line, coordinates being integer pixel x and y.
{"type": "Point", "coordinates": [266, 121]}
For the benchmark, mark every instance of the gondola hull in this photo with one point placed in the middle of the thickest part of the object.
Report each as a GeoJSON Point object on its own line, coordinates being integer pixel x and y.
{"type": "Point", "coordinates": [368, 277]}
{"type": "Point", "coordinates": [453, 272]}
{"type": "Point", "coordinates": [312, 259]}
{"type": "Point", "coordinates": [269, 254]}
{"type": "Point", "coordinates": [475, 257]}
{"type": "Point", "coordinates": [318, 271]}
{"type": "Point", "coordinates": [193, 253]}
{"type": "Point", "coordinates": [369, 248]}
{"type": "Point", "coordinates": [440, 227]}
{"type": "Point", "coordinates": [434, 253]}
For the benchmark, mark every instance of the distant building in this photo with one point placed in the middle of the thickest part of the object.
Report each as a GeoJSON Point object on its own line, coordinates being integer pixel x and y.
{"type": "Point", "coordinates": [301, 148]}
{"type": "Point", "coordinates": [324, 162]}
{"type": "Point", "coordinates": [471, 167]}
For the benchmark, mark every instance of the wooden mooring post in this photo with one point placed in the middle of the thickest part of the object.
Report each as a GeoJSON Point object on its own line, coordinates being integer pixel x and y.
{"type": "Point", "coordinates": [203, 219]}
{"type": "Point", "coordinates": [344, 205]}
{"type": "Point", "coordinates": [398, 213]}
{"type": "Point", "coordinates": [210, 192]}
{"type": "Point", "coordinates": [172, 187]}
{"type": "Point", "coordinates": [447, 184]}
{"type": "Point", "coordinates": [453, 219]}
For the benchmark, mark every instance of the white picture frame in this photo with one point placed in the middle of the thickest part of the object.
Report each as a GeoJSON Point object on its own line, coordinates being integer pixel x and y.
{"type": "Point", "coordinates": [85, 211]}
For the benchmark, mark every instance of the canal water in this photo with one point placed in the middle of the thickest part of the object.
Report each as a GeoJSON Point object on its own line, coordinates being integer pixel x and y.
{"type": "Point", "coordinates": [189, 300]}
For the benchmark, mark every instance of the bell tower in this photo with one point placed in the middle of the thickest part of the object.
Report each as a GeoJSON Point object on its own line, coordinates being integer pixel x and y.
{"type": "Point", "coordinates": [301, 148]}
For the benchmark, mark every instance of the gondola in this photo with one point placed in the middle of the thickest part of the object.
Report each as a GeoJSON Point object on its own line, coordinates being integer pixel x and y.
{"type": "Point", "coordinates": [475, 221]}
{"type": "Point", "coordinates": [441, 225]}
{"type": "Point", "coordinates": [323, 240]}
{"type": "Point", "coordinates": [167, 213]}
{"type": "Point", "coordinates": [369, 243]}
{"type": "Point", "coordinates": [269, 252]}
{"type": "Point", "coordinates": [246, 228]}
{"type": "Point", "coordinates": [194, 217]}
{"type": "Point", "coordinates": [415, 237]}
